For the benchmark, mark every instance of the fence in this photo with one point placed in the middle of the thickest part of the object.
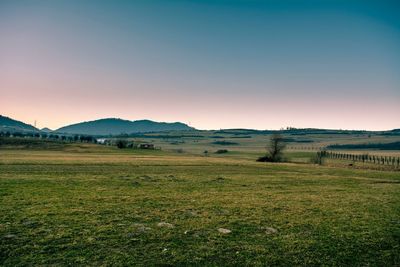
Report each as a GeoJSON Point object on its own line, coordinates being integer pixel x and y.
{"type": "Point", "coordinates": [365, 158]}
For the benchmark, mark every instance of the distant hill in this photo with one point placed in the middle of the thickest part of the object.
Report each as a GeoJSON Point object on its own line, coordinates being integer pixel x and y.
{"type": "Point", "coordinates": [46, 130]}
{"type": "Point", "coordinates": [114, 126]}
{"type": "Point", "coordinates": [8, 124]}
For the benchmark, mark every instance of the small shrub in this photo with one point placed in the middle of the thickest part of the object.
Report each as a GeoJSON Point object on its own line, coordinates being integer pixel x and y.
{"type": "Point", "coordinates": [121, 143]}
{"type": "Point", "coordinates": [268, 158]}
{"type": "Point", "coordinates": [265, 159]}
{"type": "Point", "coordinates": [224, 143]}
{"type": "Point", "coordinates": [221, 151]}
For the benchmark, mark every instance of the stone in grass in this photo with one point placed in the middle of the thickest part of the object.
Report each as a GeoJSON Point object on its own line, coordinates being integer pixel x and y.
{"type": "Point", "coordinates": [195, 233]}
{"type": "Point", "coordinates": [190, 213]}
{"type": "Point", "coordinates": [30, 223]}
{"type": "Point", "coordinates": [140, 228]}
{"type": "Point", "coordinates": [165, 224]}
{"type": "Point", "coordinates": [224, 231]}
{"type": "Point", "coordinates": [147, 178]}
{"type": "Point", "coordinates": [10, 236]}
{"type": "Point", "coordinates": [270, 230]}
{"type": "Point", "coordinates": [220, 179]}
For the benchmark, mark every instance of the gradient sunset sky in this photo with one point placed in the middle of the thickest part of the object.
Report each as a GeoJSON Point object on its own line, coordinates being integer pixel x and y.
{"type": "Point", "coordinates": [213, 64]}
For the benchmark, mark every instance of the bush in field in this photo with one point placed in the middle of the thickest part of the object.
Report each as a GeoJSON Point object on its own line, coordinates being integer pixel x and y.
{"type": "Point", "coordinates": [224, 143]}
{"type": "Point", "coordinates": [221, 151]}
{"type": "Point", "coordinates": [264, 159]}
{"type": "Point", "coordinates": [121, 143]}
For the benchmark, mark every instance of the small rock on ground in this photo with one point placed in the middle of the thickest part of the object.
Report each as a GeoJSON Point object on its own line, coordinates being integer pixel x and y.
{"type": "Point", "coordinates": [224, 231]}
{"type": "Point", "coordinates": [270, 230]}
{"type": "Point", "coordinates": [140, 228]}
{"type": "Point", "coordinates": [165, 224]}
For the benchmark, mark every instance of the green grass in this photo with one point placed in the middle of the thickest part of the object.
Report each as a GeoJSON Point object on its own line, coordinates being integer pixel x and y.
{"type": "Point", "coordinates": [94, 205]}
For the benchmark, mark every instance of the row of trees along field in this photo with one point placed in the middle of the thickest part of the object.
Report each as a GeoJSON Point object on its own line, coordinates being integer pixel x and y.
{"type": "Point", "coordinates": [50, 136]}
{"type": "Point", "coordinates": [365, 158]}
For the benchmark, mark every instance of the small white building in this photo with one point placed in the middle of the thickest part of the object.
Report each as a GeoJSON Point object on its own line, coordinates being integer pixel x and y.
{"type": "Point", "coordinates": [101, 140]}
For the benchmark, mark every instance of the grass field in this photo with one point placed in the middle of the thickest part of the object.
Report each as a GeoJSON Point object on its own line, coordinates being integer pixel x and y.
{"type": "Point", "coordinates": [255, 143]}
{"type": "Point", "coordinates": [96, 205]}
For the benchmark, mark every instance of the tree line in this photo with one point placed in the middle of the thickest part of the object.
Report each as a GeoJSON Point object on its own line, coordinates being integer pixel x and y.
{"type": "Point", "coordinates": [381, 146]}
{"type": "Point", "coordinates": [50, 136]}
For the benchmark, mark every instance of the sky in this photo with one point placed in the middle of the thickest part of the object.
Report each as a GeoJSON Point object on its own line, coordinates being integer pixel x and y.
{"type": "Point", "coordinates": [211, 64]}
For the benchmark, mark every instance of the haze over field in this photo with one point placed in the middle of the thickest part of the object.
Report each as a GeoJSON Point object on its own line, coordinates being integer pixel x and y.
{"type": "Point", "coordinates": [211, 64]}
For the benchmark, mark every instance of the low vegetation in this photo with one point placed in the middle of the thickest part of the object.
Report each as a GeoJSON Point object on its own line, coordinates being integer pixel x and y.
{"type": "Point", "coordinates": [378, 146]}
{"type": "Point", "coordinates": [225, 143]}
{"type": "Point", "coordinates": [121, 143]}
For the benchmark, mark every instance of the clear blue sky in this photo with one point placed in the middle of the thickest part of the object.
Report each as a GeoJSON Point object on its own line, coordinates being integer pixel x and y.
{"type": "Point", "coordinates": [215, 64]}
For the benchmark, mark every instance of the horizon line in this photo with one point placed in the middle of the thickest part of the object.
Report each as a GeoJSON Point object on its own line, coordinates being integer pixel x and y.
{"type": "Point", "coordinates": [211, 129]}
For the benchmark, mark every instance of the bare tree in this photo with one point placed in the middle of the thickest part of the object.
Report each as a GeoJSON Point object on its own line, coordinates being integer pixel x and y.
{"type": "Point", "coordinates": [275, 149]}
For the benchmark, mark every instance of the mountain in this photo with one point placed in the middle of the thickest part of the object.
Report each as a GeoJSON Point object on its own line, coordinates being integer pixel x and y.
{"type": "Point", "coordinates": [46, 130]}
{"type": "Point", "coordinates": [118, 126]}
{"type": "Point", "coordinates": [8, 124]}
